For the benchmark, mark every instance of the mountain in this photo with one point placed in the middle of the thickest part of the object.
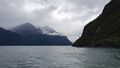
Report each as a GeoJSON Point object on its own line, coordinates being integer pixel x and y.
{"type": "Point", "coordinates": [104, 31]}
{"type": "Point", "coordinates": [36, 36]}
{"type": "Point", "coordinates": [26, 29]}
{"type": "Point", "coordinates": [7, 37]}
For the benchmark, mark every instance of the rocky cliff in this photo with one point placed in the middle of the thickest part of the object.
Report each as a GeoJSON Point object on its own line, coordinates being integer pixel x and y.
{"type": "Point", "coordinates": [104, 31]}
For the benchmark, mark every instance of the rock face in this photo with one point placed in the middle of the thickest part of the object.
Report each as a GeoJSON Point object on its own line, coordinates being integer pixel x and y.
{"type": "Point", "coordinates": [103, 31]}
{"type": "Point", "coordinates": [35, 36]}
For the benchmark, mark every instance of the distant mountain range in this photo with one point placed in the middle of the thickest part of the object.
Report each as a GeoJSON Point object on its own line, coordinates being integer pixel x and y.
{"type": "Point", "coordinates": [27, 34]}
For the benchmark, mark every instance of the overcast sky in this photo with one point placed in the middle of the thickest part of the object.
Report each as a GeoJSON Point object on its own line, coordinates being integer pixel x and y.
{"type": "Point", "coordinates": [65, 16]}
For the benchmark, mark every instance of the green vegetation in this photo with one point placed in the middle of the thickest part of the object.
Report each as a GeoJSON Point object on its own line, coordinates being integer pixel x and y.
{"type": "Point", "coordinates": [103, 31]}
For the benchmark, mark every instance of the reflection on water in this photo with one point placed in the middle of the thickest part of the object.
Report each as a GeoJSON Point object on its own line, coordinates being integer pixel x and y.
{"type": "Point", "coordinates": [58, 57]}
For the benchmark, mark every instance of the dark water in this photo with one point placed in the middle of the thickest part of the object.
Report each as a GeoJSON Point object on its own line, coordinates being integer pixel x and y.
{"type": "Point", "coordinates": [58, 57]}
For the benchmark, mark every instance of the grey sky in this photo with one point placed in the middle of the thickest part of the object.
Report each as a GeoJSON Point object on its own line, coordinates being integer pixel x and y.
{"type": "Point", "coordinates": [65, 16]}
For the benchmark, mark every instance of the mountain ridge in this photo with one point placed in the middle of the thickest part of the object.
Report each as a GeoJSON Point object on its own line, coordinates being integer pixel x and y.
{"type": "Point", "coordinates": [25, 29]}
{"type": "Point", "coordinates": [104, 31]}
{"type": "Point", "coordinates": [35, 36]}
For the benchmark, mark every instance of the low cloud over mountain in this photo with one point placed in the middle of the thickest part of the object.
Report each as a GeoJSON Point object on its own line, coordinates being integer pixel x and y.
{"type": "Point", "coordinates": [65, 16]}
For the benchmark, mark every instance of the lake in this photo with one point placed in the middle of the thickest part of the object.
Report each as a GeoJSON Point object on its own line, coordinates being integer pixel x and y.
{"type": "Point", "coordinates": [58, 57]}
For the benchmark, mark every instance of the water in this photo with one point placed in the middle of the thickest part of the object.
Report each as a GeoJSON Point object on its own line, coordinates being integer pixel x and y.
{"type": "Point", "coordinates": [58, 57]}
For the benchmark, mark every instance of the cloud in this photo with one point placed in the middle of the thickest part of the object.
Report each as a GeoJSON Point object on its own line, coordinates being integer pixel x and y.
{"type": "Point", "coordinates": [65, 16]}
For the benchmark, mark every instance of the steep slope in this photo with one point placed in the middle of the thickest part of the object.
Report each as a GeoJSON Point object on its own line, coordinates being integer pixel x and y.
{"type": "Point", "coordinates": [9, 38]}
{"type": "Point", "coordinates": [103, 31]}
{"type": "Point", "coordinates": [35, 36]}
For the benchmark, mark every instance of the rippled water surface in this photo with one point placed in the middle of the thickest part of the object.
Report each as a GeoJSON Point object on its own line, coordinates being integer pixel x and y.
{"type": "Point", "coordinates": [58, 57]}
